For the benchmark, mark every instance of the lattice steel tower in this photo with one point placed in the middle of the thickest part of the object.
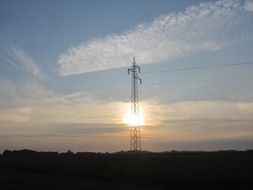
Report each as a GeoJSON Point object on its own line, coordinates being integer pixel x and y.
{"type": "Point", "coordinates": [134, 128]}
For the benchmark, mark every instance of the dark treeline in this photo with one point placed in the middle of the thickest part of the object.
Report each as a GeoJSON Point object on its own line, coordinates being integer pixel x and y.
{"type": "Point", "coordinates": [27, 169]}
{"type": "Point", "coordinates": [27, 152]}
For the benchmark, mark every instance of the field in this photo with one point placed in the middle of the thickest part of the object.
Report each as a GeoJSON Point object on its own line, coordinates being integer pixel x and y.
{"type": "Point", "coordinates": [126, 170]}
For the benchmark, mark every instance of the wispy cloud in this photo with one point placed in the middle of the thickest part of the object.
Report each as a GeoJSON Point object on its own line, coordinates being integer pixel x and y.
{"type": "Point", "coordinates": [62, 130]}
{"type": "Point", "coordinates": [76, 107]}
{"type": "Point", "coordinates": [206, 27]}
{"type": "Point", "coordinates": [211, 110]}
{"type": "Point", "coordinates": [18, 58]}
{"type": "Point", "coordinates": [248, 5]}
{"type": "Point", "coordinates": [15, 115]}
{"type": "Point", "coordinates": [7, 88]}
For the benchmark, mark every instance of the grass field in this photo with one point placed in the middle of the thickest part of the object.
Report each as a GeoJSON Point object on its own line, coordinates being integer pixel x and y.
{"type": "Point", "coordinates": [126, 170]}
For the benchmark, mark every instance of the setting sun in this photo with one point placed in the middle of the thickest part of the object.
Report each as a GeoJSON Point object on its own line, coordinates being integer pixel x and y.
{"type": "Point", "coordinates": [134, 120]}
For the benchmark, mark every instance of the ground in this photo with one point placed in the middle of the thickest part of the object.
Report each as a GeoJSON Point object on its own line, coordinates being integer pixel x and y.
{"type": "Point", "coordinates": [126, 170]}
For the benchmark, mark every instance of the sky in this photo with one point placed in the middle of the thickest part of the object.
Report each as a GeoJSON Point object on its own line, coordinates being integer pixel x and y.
{"type": "Point", "coordinates": [64, 83]}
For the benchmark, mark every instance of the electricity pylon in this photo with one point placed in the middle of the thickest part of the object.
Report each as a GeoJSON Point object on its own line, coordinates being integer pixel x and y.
{"type": "Point", "coordinates": [134, 128]}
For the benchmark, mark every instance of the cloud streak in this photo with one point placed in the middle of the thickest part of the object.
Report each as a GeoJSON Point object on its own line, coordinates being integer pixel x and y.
{"type": "Point", "coordinates": [18, 58]}
{"type": "Point", "coordinates": [205, 27]}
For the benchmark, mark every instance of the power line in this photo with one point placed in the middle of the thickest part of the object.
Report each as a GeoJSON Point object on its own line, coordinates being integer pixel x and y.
{"type": "Point", "coordinates": [199, 67]}
{"type": "Point", "coordinates": [204, 80]}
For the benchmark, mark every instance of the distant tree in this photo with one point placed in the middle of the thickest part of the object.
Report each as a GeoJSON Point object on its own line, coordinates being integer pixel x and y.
{"type": "Point", "coordinates": [7, 152]}
{"type": "Point", "coordinates": [69, 152]}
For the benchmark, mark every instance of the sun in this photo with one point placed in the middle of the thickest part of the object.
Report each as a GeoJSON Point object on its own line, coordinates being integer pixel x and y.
{"type": "Point", "coordinates": [134, 120]}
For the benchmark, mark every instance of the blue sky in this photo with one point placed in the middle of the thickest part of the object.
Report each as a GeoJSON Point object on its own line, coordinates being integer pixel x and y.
{"type": "Point", "coordinates": [64, 85]}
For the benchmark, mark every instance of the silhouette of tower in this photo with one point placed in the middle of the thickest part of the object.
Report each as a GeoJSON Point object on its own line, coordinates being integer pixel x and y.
{"type": "Point", "coordinates": [134, 128]}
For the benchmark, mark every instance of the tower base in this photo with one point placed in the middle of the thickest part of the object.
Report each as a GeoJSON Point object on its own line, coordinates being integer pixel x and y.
{"type": "Point", "coordinates": [135, 138]}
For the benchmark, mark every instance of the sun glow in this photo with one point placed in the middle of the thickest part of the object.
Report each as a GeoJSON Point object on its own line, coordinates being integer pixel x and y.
{"type": "Point", "coordinates": [134, 120]}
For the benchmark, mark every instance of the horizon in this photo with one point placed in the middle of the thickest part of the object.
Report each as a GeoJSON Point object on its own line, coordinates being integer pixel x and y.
{"type": "Point", "coordinates": [64, 83]}
{"type": "Point", "coordinates": [133, 152]}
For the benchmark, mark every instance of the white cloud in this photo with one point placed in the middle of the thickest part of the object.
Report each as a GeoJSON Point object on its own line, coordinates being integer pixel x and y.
{"type": "Point", "coordinates": [206, 27]}
{"type": "Point", "coordinates": [18, 58]}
